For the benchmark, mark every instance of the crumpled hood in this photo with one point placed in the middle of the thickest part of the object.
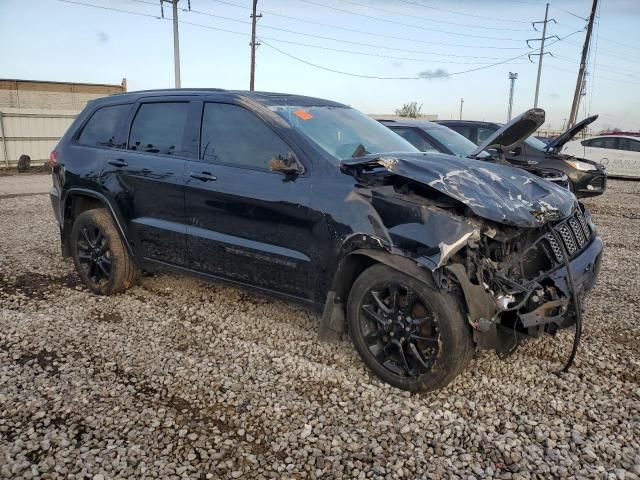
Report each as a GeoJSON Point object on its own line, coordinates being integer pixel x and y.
{"type": "Point", "coordinates": [496, 192]}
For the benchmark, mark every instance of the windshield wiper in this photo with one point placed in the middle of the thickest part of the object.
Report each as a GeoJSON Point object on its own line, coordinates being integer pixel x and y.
{"type": "Point", "coordinates": [360, 151]}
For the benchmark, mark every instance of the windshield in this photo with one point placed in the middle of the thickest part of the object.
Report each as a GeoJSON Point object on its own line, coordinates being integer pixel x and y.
{"type": "Point", "coordinates": [343, 132]}
{"type": "Point", "coordinates": [536, 144]}
{"type": "Point", "coordinates": [458, 144]}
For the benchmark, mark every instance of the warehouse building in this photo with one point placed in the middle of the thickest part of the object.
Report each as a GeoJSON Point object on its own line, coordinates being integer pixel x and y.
{"type": "Point", "coordinates": [35, 114]}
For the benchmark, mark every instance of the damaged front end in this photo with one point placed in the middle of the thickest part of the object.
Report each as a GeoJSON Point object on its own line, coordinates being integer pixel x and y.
{"type": "Point", "coordinates": [522, 283]}
{"type": "Point", "coordinates": [521, 251]}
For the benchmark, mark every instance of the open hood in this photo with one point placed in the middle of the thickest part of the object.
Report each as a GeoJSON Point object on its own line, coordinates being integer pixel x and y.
{"type": "Point", "coordinates": [496, 192]}
{"type": "Point", "coordinates": [557, 144]}
{"type": "Point", "coordinates": [513, 133]}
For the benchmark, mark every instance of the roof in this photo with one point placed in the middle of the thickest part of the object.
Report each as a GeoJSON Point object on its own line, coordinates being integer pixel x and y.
{"type": "Point", "coordinates": [410, 123]}
{"type": "Point", "coordinates": [614, 135]}
{"type": "Point", "coordinates": [466, 122]}
{"type": "Point", "coordinates": [265, 98]}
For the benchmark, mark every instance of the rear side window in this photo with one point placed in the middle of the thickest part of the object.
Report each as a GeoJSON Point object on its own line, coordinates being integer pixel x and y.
{"type": "Point", "coordinates": [415, 139]}
{"type": "Point", "coordinates": [233, 135]}
{"type": "Point", "coordinates": [629, 144]}
{"type": "Point", "coordinates": [159, 128]}
{"type": "Point", "coordinates": [101, 128]}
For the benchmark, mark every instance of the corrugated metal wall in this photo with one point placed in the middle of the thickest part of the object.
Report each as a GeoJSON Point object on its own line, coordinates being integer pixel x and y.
{"type": "Point", "coordinates": [34, 134]}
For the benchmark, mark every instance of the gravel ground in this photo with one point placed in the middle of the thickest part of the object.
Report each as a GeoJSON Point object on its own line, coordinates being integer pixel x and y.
{"type": "Point", "coordinates": [181, 379]}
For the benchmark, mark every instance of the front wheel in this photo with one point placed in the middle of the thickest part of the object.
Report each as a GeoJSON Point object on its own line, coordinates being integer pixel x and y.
{"type": "Point", "coordinates": [408, 333]}
{"type": "Point", "coordinates": [100, 256]}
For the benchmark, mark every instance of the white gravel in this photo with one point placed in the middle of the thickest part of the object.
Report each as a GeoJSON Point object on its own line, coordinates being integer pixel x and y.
{"type": "Point", "coordinates": [181, 379]}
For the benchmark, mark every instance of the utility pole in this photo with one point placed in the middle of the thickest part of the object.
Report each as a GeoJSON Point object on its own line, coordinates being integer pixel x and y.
{"type": "Point", "coordinates": [542, 52]}
{"type": "Point", "coordinates": [512, 78]}
{"type": "Point", "coordinates": [176, 37]}
{"type": "Point", "coordinates": [254, 45]}
{"type": "Point", "coordinates": [461, 103]}
{"type": "Point", "coordinates": [583, 64]}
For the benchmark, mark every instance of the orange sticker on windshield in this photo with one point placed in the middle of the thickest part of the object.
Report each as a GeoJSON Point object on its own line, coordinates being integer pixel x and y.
{"type": "Point", "coordinates": [304, 115]}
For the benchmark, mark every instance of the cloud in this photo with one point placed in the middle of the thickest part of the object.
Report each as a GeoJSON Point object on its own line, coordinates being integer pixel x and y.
{"type": "Point", "coordinates": [554, 95]}
{"type": "Point", "coordinates": [103, 37]}
{"type": "Point", "coordinates": [431, 74]}
{"type": "Point", "coordinates": [396, 64]}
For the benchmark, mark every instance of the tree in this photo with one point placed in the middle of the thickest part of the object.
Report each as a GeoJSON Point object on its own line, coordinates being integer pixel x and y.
{"type": "Point", "coordinates": [411, 110]}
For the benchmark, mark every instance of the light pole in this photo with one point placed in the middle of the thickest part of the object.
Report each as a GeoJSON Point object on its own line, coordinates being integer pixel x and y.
{"type": "Point", "coordinates": [461, 104]}
{"type": "Point", "coordinates": [512, 78]}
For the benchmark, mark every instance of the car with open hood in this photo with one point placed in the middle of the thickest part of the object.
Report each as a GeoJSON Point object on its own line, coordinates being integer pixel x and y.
{"type": "Point", "coordinates": [420, 258]}
{"type": "Point", "coordinates": [433, 137]}
{"type": "Point", "coordinates": [586, 178]}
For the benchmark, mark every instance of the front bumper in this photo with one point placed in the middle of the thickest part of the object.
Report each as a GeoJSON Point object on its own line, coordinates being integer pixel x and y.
{"type": "Point", "coordinates": [588, 184]}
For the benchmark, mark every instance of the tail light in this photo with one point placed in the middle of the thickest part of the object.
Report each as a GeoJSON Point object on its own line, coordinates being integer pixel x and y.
{"type": "Point", "coordinates": [53, 159]}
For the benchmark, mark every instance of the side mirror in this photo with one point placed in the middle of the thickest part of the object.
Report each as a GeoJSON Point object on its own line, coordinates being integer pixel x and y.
{"type": "Point", "coordinates": [288, 166]}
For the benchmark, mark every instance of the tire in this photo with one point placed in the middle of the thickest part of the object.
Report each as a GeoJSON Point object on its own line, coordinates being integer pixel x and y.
{"type": "Point", "coordinates": [431, 320]}
{"type": "Point", "coordinates": [99, 255]}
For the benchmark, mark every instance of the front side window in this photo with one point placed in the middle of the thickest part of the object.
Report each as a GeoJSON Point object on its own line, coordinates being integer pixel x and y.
{"type": "Point", "coordinates": [233, 135]}
{"type": "Point", "coordinates": [342, 132]}
{"type": "Point", "coordinates": [159, 128]}
{"type": "Point", "coordinates": [415, 139]}
{"type": "Point", "coordinates": [100, 130]}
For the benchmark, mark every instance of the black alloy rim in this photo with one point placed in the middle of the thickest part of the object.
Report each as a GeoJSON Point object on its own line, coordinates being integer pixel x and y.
{"type": "Point", "coordinates": [400, 330]}
{"type": "Point", "coordinates": [94, 255]}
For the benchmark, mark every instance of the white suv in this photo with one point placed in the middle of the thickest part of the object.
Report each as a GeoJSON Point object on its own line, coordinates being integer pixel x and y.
{"type": "Point", "coordinates": [619, 154]}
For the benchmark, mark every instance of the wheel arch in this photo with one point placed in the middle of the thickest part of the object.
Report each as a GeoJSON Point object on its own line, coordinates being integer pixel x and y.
{"type": "Point", "coordinates": [78, 200]}
{"type": "Point", "coordinates": [349, 268]}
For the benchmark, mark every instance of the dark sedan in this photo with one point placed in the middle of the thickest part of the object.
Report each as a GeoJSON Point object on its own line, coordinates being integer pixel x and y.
{"type": "Point", "coordinates": [586, 178]}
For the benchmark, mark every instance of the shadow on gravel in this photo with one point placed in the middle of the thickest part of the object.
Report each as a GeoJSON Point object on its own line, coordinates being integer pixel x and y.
{"type": "Point", "coordinates": [36, 286]}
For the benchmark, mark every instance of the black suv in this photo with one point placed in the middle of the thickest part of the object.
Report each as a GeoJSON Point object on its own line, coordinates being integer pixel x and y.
{"type": "Point", "coordinates": [586, 178]}
{"type": "Point", "coordinates": [421, 258]}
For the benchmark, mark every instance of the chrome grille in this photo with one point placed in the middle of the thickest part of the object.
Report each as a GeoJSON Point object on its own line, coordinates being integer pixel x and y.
{"type": "Point", "coordinates": [584, 224]}
{"type": "Point", "coordinates": [555, 248]}
{"type": "Point", "coordinates": [577, 231]}
{"type": "Point", "coordinates": [567, 238]}
{"type": "Point", "coordinates": [573, 233]}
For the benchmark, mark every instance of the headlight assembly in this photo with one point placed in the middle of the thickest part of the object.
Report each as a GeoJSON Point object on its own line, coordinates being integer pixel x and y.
{"type": "Point", "coordinates": [584, 166]}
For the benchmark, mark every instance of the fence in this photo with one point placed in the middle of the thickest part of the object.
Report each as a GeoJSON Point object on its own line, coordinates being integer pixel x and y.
{"type": "Point", "coordinates": [31, 133]}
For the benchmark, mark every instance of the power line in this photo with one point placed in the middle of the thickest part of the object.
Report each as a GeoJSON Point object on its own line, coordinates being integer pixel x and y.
{"type": "Point", "coordinates": [322, 37]}
{"type": "Point", "coordinates": [263, 37]}
{"type": "Point", "coordinates": [419, 27]}
{"type": "Point", "coordinates": [436, 75]}
{"type": "Point", "coordinates": [444, 22]}
{"type": "Point", "coordinates": [494, 19]}
{"type": "Point", "coordinates": [598, 77]}
{"type": "Point", "coordinates": [364, 32]}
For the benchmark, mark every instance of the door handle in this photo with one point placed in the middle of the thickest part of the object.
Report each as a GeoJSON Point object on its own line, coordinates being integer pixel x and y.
{"type": "Point", "coordinates": [204, 176]}
{"type": "Point", "coordinates": [118, 163]}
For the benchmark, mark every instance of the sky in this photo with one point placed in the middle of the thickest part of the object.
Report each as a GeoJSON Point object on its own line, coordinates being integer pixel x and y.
{"type": "Point", "coordinates": [424, 49]}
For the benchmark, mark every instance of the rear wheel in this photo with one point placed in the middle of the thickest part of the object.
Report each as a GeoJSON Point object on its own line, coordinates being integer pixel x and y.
{"type": "Point", "coordinates": [408, 333]}
{"type": "Point", "coordinates": [99, 255]}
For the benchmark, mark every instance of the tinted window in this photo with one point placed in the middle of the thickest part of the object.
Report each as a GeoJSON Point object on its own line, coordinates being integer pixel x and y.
{"type": "Point", "coordinates": [484, 133]}
{"type": "Point", "coordinates": [233, 135]}
{"type": "Point", "coordinates": [462, 130]}
{"type": "Point", "coordinates": [101, 128]}
{"type": "Point", "coordinates": [159, 128]}
{"type": "Point", "coordinates": [604, 142]}
{"type": "Point", "coordinates": [629, 144]}
{"type": "Point", "coordinates": [415, 139]}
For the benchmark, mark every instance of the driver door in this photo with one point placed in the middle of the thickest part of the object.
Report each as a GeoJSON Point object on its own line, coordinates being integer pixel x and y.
{"type": "Point", "coordinates": [246, 223]}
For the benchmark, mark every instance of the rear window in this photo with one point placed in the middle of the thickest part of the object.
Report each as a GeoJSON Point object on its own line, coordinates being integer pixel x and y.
{"type": "Point", "coordinates": [159, 128]}
{"type": "Point", "coordinates": [101, 128]}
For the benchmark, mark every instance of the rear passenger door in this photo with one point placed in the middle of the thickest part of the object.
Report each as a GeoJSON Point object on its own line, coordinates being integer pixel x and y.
{"type": "Point", "coordinates": [146, 179]}
{"type": "Point", "coordinates": [246, 223]}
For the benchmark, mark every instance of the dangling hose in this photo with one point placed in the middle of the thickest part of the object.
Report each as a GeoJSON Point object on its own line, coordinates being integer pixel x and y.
{"type": "Point", "coordinates": [577, 307]}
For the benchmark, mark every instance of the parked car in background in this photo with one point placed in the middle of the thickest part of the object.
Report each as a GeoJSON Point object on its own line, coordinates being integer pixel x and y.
{"type": "Point", "coordinates": [619, 154]}
{"type": "Point", "coordinates": [421, 257]}
{"type": "Point", "coordinates": [586, 178]}
{"type": "Point", "coordinates": [432, 137]}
